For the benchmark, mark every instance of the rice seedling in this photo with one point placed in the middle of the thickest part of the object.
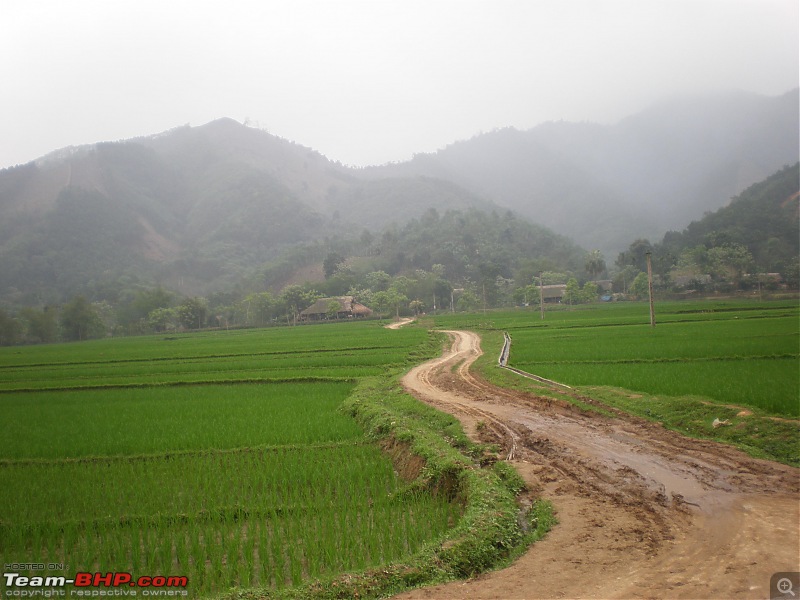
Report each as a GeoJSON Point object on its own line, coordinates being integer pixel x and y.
{"type": "Point", "coordinates": [139, 421]}
{"type": "Point", "coordinates": [229, 482]}
{"type": "Point", "coordinates": [735, 352]}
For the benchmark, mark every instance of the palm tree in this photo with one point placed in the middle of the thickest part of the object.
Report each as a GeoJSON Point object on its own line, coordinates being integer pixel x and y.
{"type": "Point", "coordinates": [595, 264]}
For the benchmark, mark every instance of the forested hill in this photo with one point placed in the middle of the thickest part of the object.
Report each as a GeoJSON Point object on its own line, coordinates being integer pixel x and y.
{"type": "Point", "coordinates": [468, 248]}
{"type": "Point", "coordinates": [605, 184]}
{"type": "Point", "coordinates": [193, 209]}
{"type": "Point", "coordinates": [764, 219]}
{"type": "Point", "coordinates": [198, 209]}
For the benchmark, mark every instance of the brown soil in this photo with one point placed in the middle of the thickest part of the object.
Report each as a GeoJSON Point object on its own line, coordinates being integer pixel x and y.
{"type": "Point", "coordinates": [400, 323]}
{"type": "Point", "coordinates": [643, 512]}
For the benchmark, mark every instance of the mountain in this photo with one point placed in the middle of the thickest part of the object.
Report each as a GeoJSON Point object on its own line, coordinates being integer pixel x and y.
{"type": "Point", "coordinates": [198, 209]}
{"type": "Point", "coordinates": [193, 209]}
{"type": "Point", "coordinates": [765, 219]}
{"type": "Point", "coordinates": [603, 185]}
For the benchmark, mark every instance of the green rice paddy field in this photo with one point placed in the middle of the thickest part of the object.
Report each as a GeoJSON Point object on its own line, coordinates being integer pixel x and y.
{"type": "Point", "coordinates": [731, 352]}
{"type": "Point", "coordinates": [220, 456]}
{"type": "Point", "coordinates": [224, 457]}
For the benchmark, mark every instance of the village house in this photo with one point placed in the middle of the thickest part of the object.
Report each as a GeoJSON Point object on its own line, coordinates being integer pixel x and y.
{"type": "Point", "coordinates": [553, 293]}
{"type": "Point", "coordinates": [322, 309]}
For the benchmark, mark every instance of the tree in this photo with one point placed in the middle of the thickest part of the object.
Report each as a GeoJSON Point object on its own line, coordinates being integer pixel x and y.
{"type": "Point", "coordinates": [258, 308]}
{"type": "Point", "coordinates": [333, 309]}
{"type": "Point", "coordinates": [192, 313]}
{"type": "Point", "coordinates": [572, 295]}
{"type": "Point", "coordinates": [381, 302]}
{"type": "Point", "coordinates": [361, 295]}
{"type": "Point", "coordinates": [401, 285]}
{"type": "Point", "coordinates": [331, 262]}
{"type": "Point", "coordinates": [163, 319]}
{"type": "Point", "coordinates": [341, 280]}
{"type": "Point", "coordinates": [527, 295]}
{"type": "Point", "coordinates": [589, 292]}
{"type": "Point", "coordinates": [553, 278]}
{"type": "Point", "coordinates": [635, 255]}
{"type": "Point", "coordinates": [40, 325]}
{"type": "Point", "coordinates": [80, 320]}
{"type": "Point", "coordinates": [468, 301]}
{"type": "Point", "coordinates": [595, 263]}
{"type": "Point", "coordinates": [504, 288]}
{"type": "Point", "coordinates": [729, 262]}
{"type": "Point", "coordinates": [792, 273]}
{"type": "Point", "coordinates": [10, 329]}
{"type": "Point", "coordinates": [105, 313]}
{"type": "Point", "coordinates": [378, 281]}
{"type": "Point", "coordinates": [396, 299]}
{"type": "Point", "coordinates": [143, 303]}
{"type": "Point", "coordinates": [624, 278]}
{"type": "Point", "coordinates": [295, 299]}
{"type": "Point", "coordinates": [640, 288]}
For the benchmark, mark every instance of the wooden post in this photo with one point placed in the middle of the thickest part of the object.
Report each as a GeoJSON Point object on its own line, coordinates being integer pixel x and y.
{"type": "Point", "coordinates": [541, 294]}
{"type": "Point", "coordinates": [650, 290]}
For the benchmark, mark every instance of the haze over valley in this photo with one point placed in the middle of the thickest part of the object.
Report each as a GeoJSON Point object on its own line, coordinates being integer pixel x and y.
{"type": "Point", "coordinates": [202, 209]}
{"type": "Point", "coordinates": [450, 146]}
{"type": "Point", "coordinates": [418, 298]}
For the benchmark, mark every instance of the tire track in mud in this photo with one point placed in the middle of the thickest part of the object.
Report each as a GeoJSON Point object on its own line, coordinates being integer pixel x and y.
{"type": "Point", "coordinates": [643, 512]}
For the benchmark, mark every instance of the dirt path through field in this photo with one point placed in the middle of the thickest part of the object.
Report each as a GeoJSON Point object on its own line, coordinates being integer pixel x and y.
{"type": "Point", "coordinates": [398, 324]}
{"type": "Point", "coordinates": [643, 512]}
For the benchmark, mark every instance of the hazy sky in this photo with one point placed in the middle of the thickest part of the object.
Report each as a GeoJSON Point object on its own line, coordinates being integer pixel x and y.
{"type": "Point", "coordinates": [373, 81]}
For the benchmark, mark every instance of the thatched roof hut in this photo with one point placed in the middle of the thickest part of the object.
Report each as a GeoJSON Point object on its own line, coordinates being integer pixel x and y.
{"type": "Point", "coordinates": [322, 309]}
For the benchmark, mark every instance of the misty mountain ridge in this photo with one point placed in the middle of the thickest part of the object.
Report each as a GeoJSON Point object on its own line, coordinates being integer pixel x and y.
{"type": "Point", "coordinates": [651, 172]}
{"type": "Point", "coordinates": [195, 208]}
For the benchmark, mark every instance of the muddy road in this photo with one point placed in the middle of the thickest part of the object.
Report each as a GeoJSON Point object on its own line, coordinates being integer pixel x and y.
{"type": "Point", "coordinates": [643, 512]}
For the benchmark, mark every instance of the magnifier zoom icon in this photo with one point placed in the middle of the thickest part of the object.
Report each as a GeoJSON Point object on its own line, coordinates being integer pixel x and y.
{"type": "Point", "coordinates": [785, 586]}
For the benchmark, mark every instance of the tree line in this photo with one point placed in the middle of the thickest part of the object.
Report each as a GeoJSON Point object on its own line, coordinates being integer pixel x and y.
{"type": "Point", "coordinates": [753, 243]}
{"type": "Point", "coordinates": [459, 261]}
{"type": "Point", "coordinates": [158, 310]}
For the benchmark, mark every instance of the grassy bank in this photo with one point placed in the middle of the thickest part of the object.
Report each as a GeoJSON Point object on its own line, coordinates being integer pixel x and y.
{"type": "Point", "coordinates": [729, 361]}
{"type": "Point", "coordinates": [430, 449]}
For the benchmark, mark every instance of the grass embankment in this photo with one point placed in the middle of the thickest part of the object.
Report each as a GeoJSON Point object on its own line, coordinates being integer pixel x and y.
{"type": "Point", "coordinates": [430, 449]}
{"type": "Point", "coordinates": [731, 361]}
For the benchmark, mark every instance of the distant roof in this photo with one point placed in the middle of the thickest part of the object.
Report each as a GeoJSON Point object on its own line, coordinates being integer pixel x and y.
{"type": "Point", "coordinates": [553, 291]}
{"type": "Point", "coordinates": [346, 305]}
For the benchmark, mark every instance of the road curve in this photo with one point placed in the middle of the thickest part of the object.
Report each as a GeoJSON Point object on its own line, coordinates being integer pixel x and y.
{"type": "Point", "coordinates": [643, 512]}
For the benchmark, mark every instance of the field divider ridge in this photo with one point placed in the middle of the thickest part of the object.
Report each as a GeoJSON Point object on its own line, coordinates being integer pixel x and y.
{"type": "Point", "coordinates": [113, 386]}
{"type": "Point", "coordinates": [172, 454]}
{"type": "Point", "coordinates": [182, 359]}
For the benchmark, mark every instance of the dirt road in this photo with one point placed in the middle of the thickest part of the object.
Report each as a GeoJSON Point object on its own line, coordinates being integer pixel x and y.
{"type": "Point", "coordinates": [400, 323]}
{"type": "Point", "coordinates": [643, 512]}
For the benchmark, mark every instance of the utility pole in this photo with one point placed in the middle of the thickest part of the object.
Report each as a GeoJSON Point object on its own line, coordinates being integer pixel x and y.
{"type": "Point", "coordinates": [650, 290]}
{"type": "Point", "coordinates": [541, 294]}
